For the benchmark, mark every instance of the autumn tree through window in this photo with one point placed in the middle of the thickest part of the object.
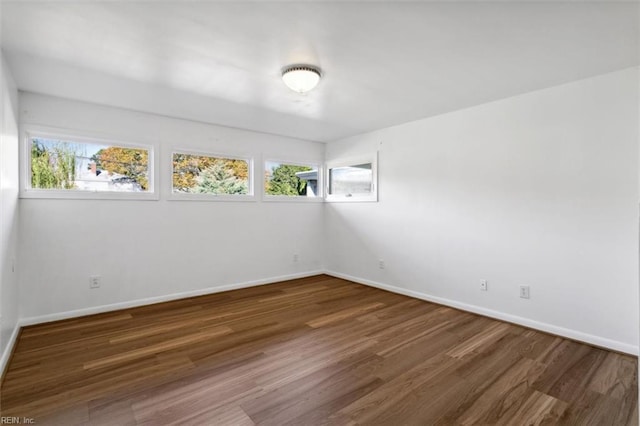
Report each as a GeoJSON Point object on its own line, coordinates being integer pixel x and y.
{"type": "Point", "coordinates": [58, 164]}
{"type": "Point", "coordinates": [205, 174]}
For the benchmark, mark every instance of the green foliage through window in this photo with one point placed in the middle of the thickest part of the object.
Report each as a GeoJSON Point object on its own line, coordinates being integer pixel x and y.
{"type": "Point", "coordinates": [53, 166]}
{"type": "Point", "coordinates": [285, 180]}
{"type": "Point", "coordinates": [219, 179]}
{"type": "Point", "coordinates": [202, 174]}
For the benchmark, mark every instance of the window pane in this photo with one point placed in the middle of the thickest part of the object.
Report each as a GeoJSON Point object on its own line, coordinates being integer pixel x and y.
{"type": "Point", "coordinates": [290, 180]}
{"type": "Point", "coordinates": [357, 179]}
{"type": "Point", "coordinates": [202, 174]}
{"type": "Point", "coordinates": [79, 166]}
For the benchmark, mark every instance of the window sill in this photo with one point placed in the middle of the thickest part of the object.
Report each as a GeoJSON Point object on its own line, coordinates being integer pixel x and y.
{"type": "Point", "coordinates": [88, 195]}
{"type": "Point", "coordinates": [286, 199]}
{"type": "Point", "coordinates": [352, 199]}
{"type": "Point", "coordinates": [211, 197]}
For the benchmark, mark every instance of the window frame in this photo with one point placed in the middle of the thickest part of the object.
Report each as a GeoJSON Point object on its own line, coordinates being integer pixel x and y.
{"type": "Point", "coordinates": [179, 196]}
{"type": "Point", "coordinates": [319, 198]}
{"type": "Point", "coordinates": [351, 161]}
{"type": "Point", "coordinates": [83, 137]}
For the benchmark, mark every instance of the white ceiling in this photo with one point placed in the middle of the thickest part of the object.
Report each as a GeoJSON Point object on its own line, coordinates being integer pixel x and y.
{"type": "Point", "coordinates": [384, 63]}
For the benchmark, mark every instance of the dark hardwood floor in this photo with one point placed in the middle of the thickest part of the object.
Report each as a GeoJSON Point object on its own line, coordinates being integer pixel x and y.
{"type": "Point", "coordinates": [313, 351]}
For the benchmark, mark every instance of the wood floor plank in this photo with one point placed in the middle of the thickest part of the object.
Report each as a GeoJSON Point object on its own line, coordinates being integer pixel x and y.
{"type": "Point", "coordinates": [570, 372]}
{"type": "Point", "coordinates": [615, 376]}
{"type": "Point", "coordinates": [401, 389]}
{"type": "Point", "coordinates": [191, 399]}
{"type": "Point", "coordinates": [313, 351]}
{"type": "Point", "coordinates": [344, 314]}
{"type": "Point", "coordinates": [77, 415]}
{"type": "Point", "coordinates": [157, 348]}
{"type": "Point", "coordinates": [233, 416]}
{"type": "Point", "coordinates": [538, 409]}
{"type": "Point", "coordinates": [503, 397]}
{"type": "Point", "coordinates": [484, 338]}
{"type": "Point", "coordinates": [418, 397]}
{"type": "Point", "coordinates": [497, 361]}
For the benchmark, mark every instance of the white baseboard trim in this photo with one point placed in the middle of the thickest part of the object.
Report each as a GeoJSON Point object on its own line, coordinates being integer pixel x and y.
{"type": "Point", "coordinates": [6, 354]}
{"type": "Point", "coordinates": [158, 299]}
{"type": "Point", "coordinates": [549, 328]}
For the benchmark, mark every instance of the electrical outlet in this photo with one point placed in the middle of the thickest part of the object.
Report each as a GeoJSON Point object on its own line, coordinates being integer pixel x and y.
{"type": "Point", "coordinates": [381, 264]}
{"type": "Point", "coordinates": [524, 291]}
{"type": "Point", "coordinates": [483, 285]}
{"type": "Point", "coordinates": [295, 257]}
{"type": "Point", "coordinates": [94, 281]}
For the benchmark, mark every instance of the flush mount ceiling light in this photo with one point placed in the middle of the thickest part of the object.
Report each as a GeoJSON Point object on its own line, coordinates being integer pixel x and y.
{"type": "Point", "coordinates": [301, 78]}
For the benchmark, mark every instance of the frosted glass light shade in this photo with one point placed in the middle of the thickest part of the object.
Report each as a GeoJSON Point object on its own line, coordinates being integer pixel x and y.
{"type": "Point", "coordinates": [301, 78]}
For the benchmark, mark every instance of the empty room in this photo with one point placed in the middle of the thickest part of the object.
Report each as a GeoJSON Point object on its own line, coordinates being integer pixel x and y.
{"type": "Point", "coordinates": [319, 212]}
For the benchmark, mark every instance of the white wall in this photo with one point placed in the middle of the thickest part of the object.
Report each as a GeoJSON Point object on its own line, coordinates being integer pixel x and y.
{"type": "Point", "coordinates": [8, 211]}
{"type": "Point", "coordinates": [538, 190]}
{"type": "Point", "coordinates": [151, 249]}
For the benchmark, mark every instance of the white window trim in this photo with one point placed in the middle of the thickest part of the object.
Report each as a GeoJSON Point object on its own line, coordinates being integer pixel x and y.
{"type": "Point", "coordinates": [319, 198]}
{"type": "Point", "coordinates": [350, 161]}
{"type": "Point", "coordinates": [178, 196]}
{"type": "Point", "coordinates": [30, 131]}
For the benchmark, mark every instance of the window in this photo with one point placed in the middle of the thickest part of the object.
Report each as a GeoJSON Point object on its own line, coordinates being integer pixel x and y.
{"type": "Point", "coordinates": [292, 181]}
{"type": "Point", "coordinates": [352, 180]}
{"type": "Point", "coordinates": [73, 167]}
{"type": "Point", "coordinates": [208, 176]}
